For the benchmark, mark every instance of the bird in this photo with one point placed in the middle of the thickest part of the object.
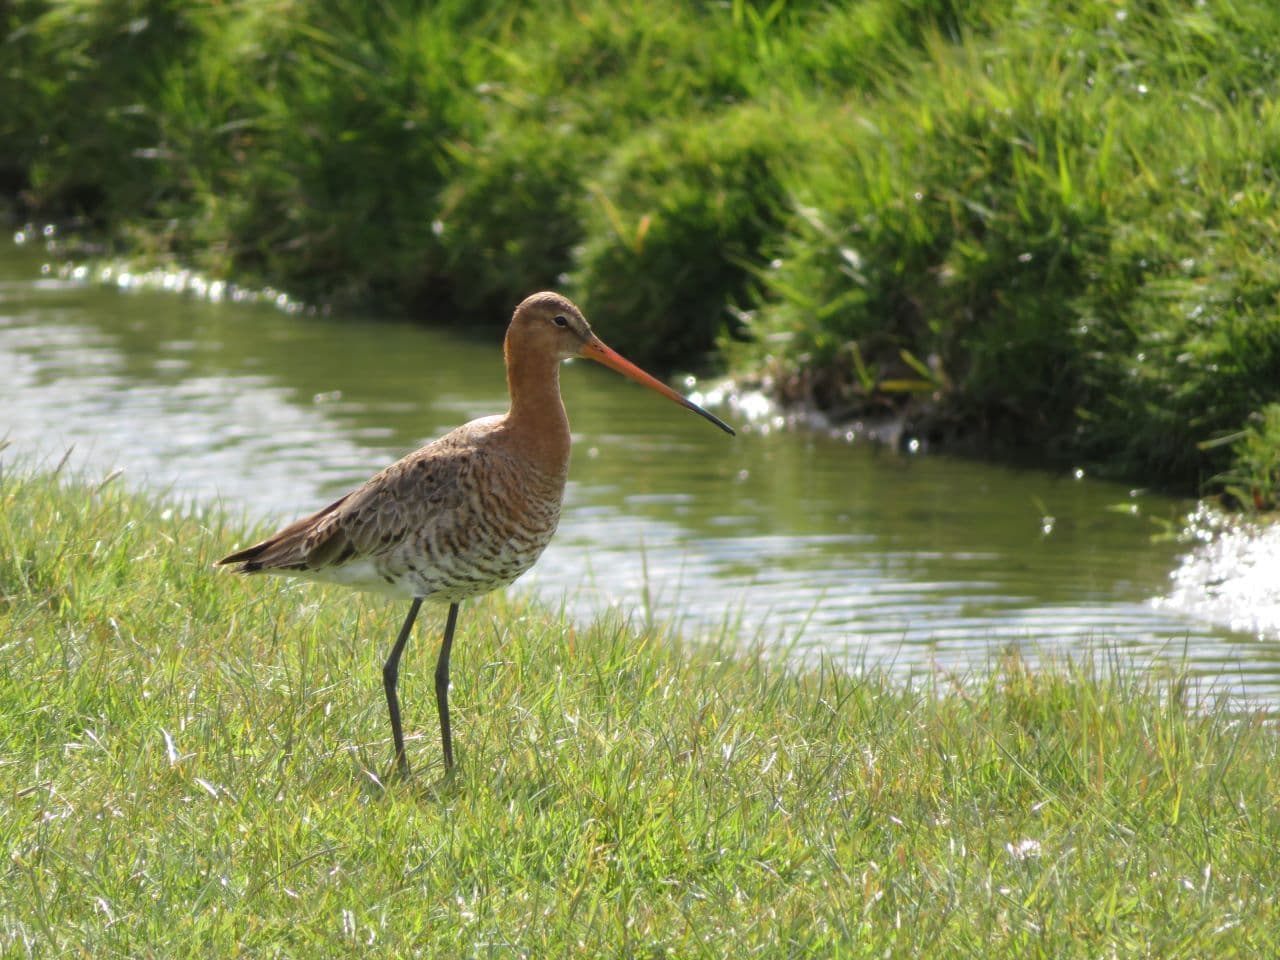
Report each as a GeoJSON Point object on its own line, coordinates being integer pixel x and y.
{"type": "Point", "coordinates": [465, 514]}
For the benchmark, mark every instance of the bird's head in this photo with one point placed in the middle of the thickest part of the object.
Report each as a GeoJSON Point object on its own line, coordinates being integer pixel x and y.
{"type": "Point", "coordinates": [552, 325]}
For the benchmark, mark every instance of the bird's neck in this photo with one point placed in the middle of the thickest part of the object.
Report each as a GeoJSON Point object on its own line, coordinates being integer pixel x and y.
{"type": "Point", "coordinates": [538, 422]}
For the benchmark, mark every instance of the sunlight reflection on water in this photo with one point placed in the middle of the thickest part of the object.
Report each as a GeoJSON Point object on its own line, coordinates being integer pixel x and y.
{"type": "Point", "coordinates": [1231, 576]}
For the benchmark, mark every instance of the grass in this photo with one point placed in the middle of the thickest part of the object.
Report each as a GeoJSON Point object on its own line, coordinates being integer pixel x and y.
{"type": "Point", "coordinates": [1014, 227]}
{"type": "Point", "coordinates": [189, 766]}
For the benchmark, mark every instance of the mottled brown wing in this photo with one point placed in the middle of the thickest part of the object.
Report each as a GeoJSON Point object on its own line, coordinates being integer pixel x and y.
{"type": "Point", "coordinates": [409, 494]}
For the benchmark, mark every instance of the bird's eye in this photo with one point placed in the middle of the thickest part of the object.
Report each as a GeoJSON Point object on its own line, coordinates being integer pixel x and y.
{"type": "Point", "coordinates": [562, 321]}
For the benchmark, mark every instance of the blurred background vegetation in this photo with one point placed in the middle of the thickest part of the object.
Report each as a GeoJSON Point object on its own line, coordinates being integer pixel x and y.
{"type": "Point", "coordinates": [1028, 228]}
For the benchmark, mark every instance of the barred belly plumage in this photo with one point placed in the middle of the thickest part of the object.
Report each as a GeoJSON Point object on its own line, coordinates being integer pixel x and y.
{"type": "Point", "coordinates": [506, 524]}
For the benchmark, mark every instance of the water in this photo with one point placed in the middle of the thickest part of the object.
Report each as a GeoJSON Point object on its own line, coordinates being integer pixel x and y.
{"type": "Point", "coordinates": [804, 541]}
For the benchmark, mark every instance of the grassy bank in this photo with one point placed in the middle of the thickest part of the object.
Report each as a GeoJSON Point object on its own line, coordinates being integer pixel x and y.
{"type": "Point", "coordinates": [1026, 227]}
{"type": "Point", "coordinates": [188, 768]}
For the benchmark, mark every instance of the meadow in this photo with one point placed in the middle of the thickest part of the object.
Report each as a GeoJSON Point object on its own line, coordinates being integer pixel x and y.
{"type": "Point", "coordinates": [1023, 229]}
{"type": "Point", "coordinates": [1020, 228]}
{"type": "Point", "coordinates": [193, 764]}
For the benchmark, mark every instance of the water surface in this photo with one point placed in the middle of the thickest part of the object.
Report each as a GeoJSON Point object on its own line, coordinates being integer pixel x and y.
{"type": "Point", "coordinates": [803, 540]}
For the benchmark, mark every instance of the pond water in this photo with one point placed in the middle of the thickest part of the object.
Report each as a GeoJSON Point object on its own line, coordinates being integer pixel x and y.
{"type": "Point", "coordinates": [805, 541]}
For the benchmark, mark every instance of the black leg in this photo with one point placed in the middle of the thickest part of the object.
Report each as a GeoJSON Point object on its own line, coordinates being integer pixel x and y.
{"type": "Point", "coordinates": [442, 685]}
{"type": "Point", "coordinates": [390, 673]}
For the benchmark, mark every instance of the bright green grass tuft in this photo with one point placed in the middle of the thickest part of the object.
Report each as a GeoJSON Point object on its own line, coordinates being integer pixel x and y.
{"type": "Point", "coordinates": [189, 767]}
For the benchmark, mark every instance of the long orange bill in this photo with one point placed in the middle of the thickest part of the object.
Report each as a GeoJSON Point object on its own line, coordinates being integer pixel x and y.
{"type": "Point", "coordinates": [594, 349]}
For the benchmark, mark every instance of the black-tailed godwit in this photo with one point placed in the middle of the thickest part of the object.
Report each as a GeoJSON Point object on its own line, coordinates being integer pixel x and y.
{"type": "Point", "coordinates": [466, 514]}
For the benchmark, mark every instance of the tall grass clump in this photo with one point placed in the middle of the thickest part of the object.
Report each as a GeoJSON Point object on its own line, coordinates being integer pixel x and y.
{"type": "Point", "coordinates": [76, 112]}
{"type": "Point", "coordinates": [937, 248]}
{"type": "Point", "coordinates": [190, 763]}
{"type": "Point", "coordinates": [346, 139]}
{"type": "Point", "coordinates": [510, 214]}
{"type": "Point", "coordinates": [522, 193]}
{"type": "Point", "coordinates": [1182, 323]}
{"type": "Point", "coordinates": [680, 212]}
{"type": "Point", "coordinates": [1012, 244]}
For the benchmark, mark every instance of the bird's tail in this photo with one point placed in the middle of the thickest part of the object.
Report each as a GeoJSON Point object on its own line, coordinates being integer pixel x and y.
{"type": "Point", "coordinates": [293, 548]}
